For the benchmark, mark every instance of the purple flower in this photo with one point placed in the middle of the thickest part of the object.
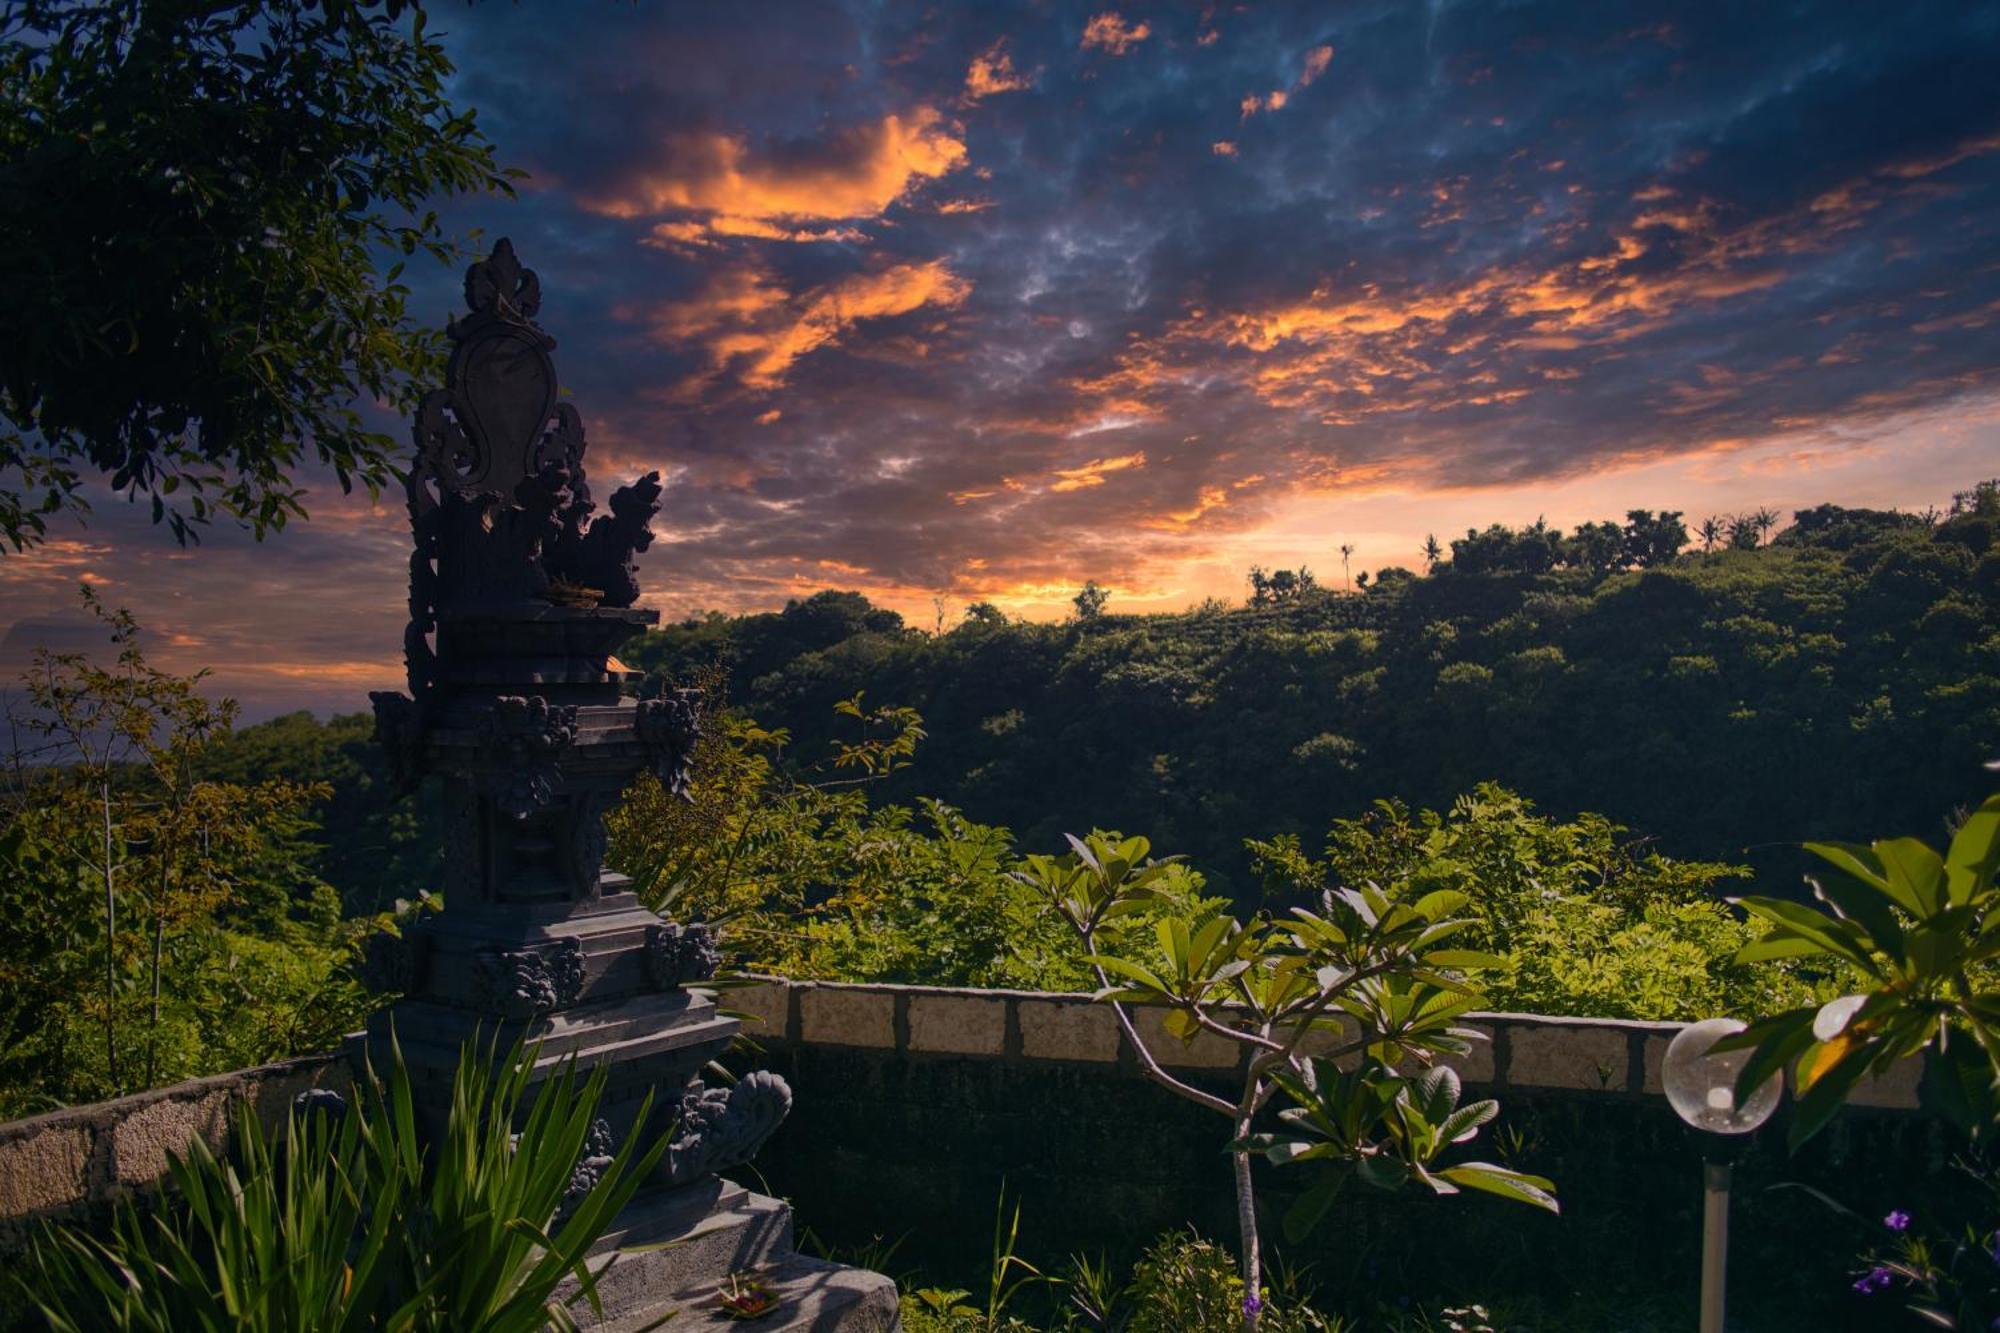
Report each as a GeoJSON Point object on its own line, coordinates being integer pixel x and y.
{"type": "Point", "coordinates": [1897, 1220]}
{"type": "Point", "coordinates": [1252, 1303]}
{"type": "Point", "coordinates": [1875, 1279]}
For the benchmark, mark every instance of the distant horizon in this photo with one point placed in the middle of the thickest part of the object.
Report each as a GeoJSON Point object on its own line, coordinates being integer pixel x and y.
{"type": "Point", "coordinates": [984, 302]}
{"type": "Point", "coordinates": [263, 697]}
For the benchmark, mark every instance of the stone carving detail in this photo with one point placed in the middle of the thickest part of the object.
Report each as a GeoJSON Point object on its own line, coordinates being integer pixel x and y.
{"type": "Point", "coordinates": [591, 1164]}
{"type": "Point", "coordinates": [521, 745]}
{"type": "Point", "coordinates": [678, 955]}
{"type": "Point", "coordinates": [566, 969]}
{"type": "Point", "coordinates": [724, 1127]}
{"type": "Point", "coordinates": [393, 964]}
{"type": "Point", "coordinates": [669, 727]}
{"type": "Point", "coordinates": [523, 984]}
{"type": "Point", "coordinates": [500, 504]}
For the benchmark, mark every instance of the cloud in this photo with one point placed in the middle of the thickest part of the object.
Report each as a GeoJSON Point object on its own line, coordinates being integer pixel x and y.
{"type": "Point", "coordinates": [992, 71]}
{"type": "Point", "coordinates": [748, 327]}
{"type": "Point", "coordinates": [884, 322]}
{"type": "Point", "coordinates": [732, 190]}
{"type": "Point", "coordinates": [1110, 32]}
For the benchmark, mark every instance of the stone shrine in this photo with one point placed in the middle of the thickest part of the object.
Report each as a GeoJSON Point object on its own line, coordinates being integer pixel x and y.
{"type": "Point", "coordinates": [521, 594]}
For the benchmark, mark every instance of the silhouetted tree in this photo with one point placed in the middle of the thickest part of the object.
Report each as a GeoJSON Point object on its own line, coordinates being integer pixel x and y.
{"type": "Point", "coordinates": [1090, 602]}
{"type": "Point", "coordinates": [195, 198]}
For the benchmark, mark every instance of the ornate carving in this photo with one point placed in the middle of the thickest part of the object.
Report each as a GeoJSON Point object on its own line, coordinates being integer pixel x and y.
{"type": "Point", "coordinates": [724, 1127]}
{"type": "Point", "coordinates": [526, 983]}
{"type": "Point", "coordinates": [399, 729]}
{"type": "Point", "coordinates": [500, 286]}
{"type": "Point", "coordinates": [678, 955]}
{"type": "Point", "coordinates": [515, 983]}
{"type": "Point", "coordinates": [669, 727]}
{"type": "Point", "coordinates": [591, 1164]}
{"type": "Point", "coordinates": [521, 744]}
{"type": "Point", "coordinates": [566, 970]}
{"type": "Point", "coordinates": [601, 557]}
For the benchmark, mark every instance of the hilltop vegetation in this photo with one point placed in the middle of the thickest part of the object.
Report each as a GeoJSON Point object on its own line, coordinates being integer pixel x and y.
{"type": "Point", "coordinates": [1843, 674]}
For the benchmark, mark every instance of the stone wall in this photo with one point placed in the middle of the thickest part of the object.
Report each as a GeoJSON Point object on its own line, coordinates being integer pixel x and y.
{"type": "Point", "coordinates": [916, 1106]}
{"type": "Point", "coordinates": [71, 1164]}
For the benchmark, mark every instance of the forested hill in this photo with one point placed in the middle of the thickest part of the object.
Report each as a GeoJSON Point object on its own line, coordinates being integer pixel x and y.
{"type": "Point", "coordinates": [1841, 678]}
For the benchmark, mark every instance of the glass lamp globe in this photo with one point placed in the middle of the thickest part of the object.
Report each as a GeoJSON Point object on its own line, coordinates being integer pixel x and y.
{"type": "Point", "coordinates": [1701, 1086]}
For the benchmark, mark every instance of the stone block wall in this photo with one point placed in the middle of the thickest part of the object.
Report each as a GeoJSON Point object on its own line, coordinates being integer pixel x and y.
{"type": "Point", "coordinates": [916, 1106]}
{"type": "Point", "coordinates": [71, 1164]}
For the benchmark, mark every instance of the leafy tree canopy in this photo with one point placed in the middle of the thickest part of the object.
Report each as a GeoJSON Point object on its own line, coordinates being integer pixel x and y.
{"type": "Point", "coordinates": [192, 199]}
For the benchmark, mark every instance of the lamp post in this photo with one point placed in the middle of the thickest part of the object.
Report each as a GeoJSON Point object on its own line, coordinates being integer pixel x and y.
{"type": "Point", "coordinates": [1701, 1087]}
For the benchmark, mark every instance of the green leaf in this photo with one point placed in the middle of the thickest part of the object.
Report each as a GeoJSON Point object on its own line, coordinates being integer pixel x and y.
{"type": "Point", "coordinates": [1915, 870]}
{"type": "Point", "coordinates": [1313, 1205]}
{"type": "Point", "coordinates": [1515, 1185]}
{"type": "Point", "coordinates": [1842, 938]}
{"type": "Point", "coordinates": [1465, 959]}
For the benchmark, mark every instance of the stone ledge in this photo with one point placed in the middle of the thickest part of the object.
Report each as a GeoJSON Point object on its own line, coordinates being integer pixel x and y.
{"type": "Point", "coordinates": [64, 1161]}
{"type": "Point", "coordinates": [958, 1024]}
{"type": "Point", "coordinates": [836, 1015]}
{"type": "Point", "coordinates": [61, 1162]}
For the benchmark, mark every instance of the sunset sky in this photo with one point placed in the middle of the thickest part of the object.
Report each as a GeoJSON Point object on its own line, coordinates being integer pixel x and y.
{"type": "Point", "coordinates": [980, 301]}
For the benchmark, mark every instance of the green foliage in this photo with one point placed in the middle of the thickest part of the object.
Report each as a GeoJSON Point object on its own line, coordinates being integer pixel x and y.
{"type": "Point", "coordinates": [194, 198]}
{"type": "Point", "coordinates": [1585, 919]}
{"type": "Point", "coordinates": [812, 880]}
{"type": "Point", "coordinates": [1185, 1284]}
{"type": "Point", "coordinates": [1369, 973]}
{"type": "Point", "coordinates": [155, 922]}
{"type": "Point", "coordinates": [1921, 931]}
{"type": "Point", "coordinates": [1731, 703]}
{"type": "Point", "coordinates": [348, 1223]}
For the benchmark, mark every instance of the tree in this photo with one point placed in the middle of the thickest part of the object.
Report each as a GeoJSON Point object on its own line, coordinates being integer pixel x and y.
{"type": "Point", "coordinates": [1090, 602]}
{"type": "Point", "coordinates": [1346, 554]}
{"type": "Point", "coordinates": [1710, 532]}
{"type": "Point", "coordinates": [1432, 552]}
{"type": "Point", "coordinates": [106, 792]}
{"type": "Point", "coordinates": [1360, 979]}
{"type": "Point", "coordinates": [1653, 541]}
{"type": "Point", "coordinates": [1743, 534]}
{"type": "Point", "coordinates": [1765, 520]}
{"type": "Point", "coordinates": [191, 201]}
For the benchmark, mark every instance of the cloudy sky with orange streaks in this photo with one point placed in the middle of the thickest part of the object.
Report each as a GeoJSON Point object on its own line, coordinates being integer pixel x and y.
{"type": "Point", "coordinates": [977, 302]}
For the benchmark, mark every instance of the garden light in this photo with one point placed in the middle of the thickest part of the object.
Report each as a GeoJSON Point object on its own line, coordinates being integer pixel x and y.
{"type": "Point", "coordinates": [1701, 1087]}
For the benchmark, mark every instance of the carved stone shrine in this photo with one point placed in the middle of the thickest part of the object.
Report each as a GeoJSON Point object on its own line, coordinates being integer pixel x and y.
{"type": "Point", "coordinates": [521, 594]}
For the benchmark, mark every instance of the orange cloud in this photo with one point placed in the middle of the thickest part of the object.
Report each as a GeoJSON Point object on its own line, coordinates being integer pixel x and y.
{"type": "Point", "coordinates": [752, 327]}
{"type": "Point", "coordinates": [857, 173]}
{"type": "Point", "coordinates": [1271, 101]}
{"type": "Point", "coordinates": [1223, 148]}
{"type": "Point", "coordinates": [1092, 473]}
{"type": "Point", "coordinates": [1317, 60]}
{"type": "Point", "coordinates": [1110, 32]}
{"type": "Point", "coordinates": [993, 71]}
{"type": "Point", "coordinates": [1211, 497]}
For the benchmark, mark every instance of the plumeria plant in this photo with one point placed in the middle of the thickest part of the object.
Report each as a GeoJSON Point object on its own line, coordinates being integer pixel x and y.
{"type": "Point", "coordinates": [1921, 930]}
{"type": "Point", "coordinates": [1344, 1010]}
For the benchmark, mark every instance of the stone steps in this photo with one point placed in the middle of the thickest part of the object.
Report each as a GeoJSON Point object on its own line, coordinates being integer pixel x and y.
{"type": "Point", "coordinates": [672, 1249]}
{"type": "Point", "coordinates": [814, 1297]}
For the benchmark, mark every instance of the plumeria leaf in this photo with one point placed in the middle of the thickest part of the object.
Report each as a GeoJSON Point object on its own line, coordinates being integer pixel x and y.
{"type": "Point", "coordinates": [1515, 1185]}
